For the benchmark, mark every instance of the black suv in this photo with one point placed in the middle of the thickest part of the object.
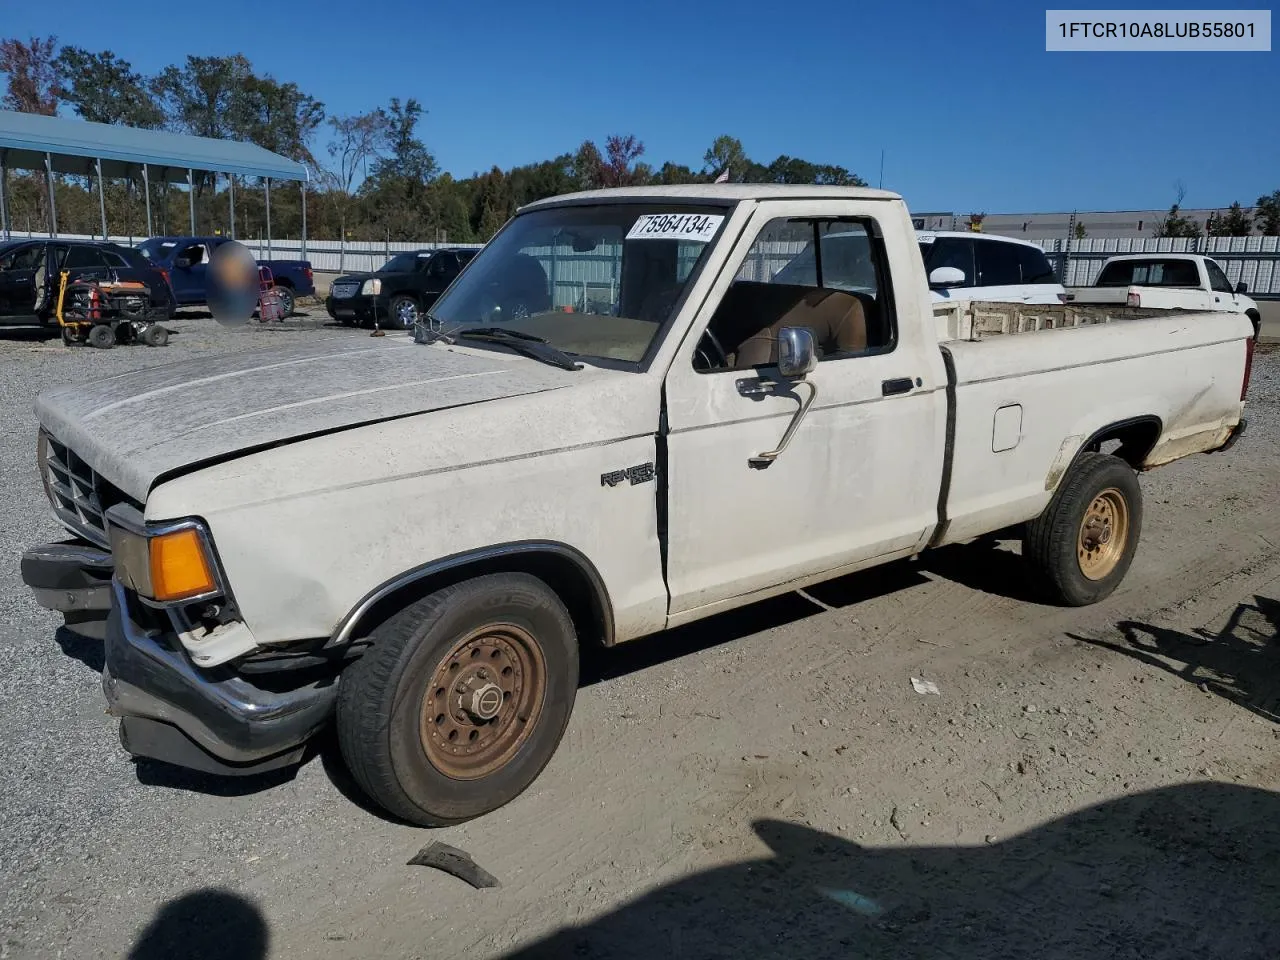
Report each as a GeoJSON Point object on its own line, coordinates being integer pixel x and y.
{"type": "Point", "coordinates": [399, 291]}
{"type": "Point", "coordinates": [30, 272]}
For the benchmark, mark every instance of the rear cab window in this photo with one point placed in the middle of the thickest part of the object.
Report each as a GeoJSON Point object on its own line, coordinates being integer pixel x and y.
{"type": "Point", "coordinates": [1150, 273]}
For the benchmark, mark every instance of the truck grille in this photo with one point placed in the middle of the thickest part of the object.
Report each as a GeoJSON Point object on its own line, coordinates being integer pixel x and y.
{"type": "Point", "coordinates": [344, 291]}
{"type": "Point", "coordinates": [80, 496]}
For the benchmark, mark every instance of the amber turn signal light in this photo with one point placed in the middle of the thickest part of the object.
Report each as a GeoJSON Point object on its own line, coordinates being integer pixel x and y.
{"type": "Point", "coordinates": [180, 567]}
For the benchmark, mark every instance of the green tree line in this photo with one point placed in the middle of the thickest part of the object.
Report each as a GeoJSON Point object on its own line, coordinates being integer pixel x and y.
{"type": "Point", "coordinates": [376, 178]}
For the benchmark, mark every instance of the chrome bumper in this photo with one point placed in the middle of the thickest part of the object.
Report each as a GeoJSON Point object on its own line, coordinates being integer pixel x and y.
{"type": "Point", "coordinates": [211, 720]}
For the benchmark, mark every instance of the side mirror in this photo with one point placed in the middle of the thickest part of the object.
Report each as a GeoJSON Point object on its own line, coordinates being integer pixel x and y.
{"type": "Point", "coordinates": [944, 277]}
{"type": "Point", "coordinates": [1242, 287]}
{"type": "Point", "coordinates": [182, 263]}
{"type": "Point", "coordinates": [797, 355]}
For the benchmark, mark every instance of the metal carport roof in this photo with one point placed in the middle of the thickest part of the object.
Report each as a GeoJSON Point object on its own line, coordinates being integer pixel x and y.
{"type": "Point", "coordinates": [75, 146]}
{"type": "Point", "coordinates": [30, 141]}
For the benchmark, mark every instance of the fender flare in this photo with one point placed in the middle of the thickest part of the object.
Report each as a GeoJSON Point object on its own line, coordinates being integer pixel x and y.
{"type": "Point", "coordinates": [602, 607]}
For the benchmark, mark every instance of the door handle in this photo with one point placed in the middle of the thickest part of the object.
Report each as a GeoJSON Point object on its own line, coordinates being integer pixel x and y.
{"type": "Point", "coordinates": [896, 386]}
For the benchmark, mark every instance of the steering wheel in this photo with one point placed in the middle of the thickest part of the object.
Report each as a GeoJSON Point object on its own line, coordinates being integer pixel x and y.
{"type": "Point", "coordinates": [720, 359]}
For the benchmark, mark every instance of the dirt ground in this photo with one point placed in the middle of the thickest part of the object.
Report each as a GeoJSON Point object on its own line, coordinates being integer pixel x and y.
{"type": "Point", "coordinates": [1099, 782]}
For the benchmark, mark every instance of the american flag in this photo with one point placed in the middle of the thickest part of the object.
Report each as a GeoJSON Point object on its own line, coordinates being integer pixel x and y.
{"type": "Point", "coordinates": [724, 176]}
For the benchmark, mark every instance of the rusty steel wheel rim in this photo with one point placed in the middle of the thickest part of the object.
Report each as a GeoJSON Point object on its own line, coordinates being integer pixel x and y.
{"type": "Point", "coordinates": [484, 700]}
{"type": "Point", "coordinates": [1104, 534]}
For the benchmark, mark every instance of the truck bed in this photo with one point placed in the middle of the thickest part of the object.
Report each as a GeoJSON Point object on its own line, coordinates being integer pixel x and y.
{"type": "Point", "coordinates": [976, 320]}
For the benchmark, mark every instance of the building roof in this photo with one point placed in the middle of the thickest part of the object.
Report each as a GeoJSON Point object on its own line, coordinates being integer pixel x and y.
{"type": "Point", "coordinates": [972, 235]}
{"type": "Point", "coordinates": [74, 145]}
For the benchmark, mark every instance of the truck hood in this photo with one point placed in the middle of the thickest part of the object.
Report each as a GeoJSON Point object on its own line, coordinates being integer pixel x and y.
{"type": "Point", "coordinates": [139, 427]}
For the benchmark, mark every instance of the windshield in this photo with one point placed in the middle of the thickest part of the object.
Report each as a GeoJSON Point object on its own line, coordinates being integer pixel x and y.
{"type": "Point", "coordinates": [156, 250]}
{"type": "Point", "coordinates": [592, 281]}
{"type": "Point", "coordinates": [402, 263]}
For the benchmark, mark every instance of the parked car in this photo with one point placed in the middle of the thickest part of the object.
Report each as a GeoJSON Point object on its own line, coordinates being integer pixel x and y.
{"type": "Point", "coordinates": [1171, 281]}
{"type": "Point", "coordinates": [187, 260]}
{"type": "Point", "coordinates": [30, 275]}
{"type": "Point", "coordinates": [415, 539]}
{"type": "Point", "coordinates": [397, 292]}
{"type": "Point", "coordinates": [979, 266]}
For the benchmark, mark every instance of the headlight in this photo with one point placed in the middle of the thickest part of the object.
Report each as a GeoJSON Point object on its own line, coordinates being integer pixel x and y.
{"type": "Point", "coordinates": [171, 565]}
{"type": "Point", "coordinates": [371, 288]}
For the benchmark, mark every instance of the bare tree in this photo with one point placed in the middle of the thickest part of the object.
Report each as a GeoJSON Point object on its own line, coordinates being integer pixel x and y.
{"type": "Point", "coordinates": [356, 140]}
{"type": "Point", "coordinates": [32, 74]}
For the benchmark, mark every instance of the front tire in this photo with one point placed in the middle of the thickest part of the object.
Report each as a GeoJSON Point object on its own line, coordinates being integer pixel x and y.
{"type": "Point", "coordinates": [461, 699]}
{"type": "Point", "coordinates": [404, 311]}
{"type": "Point", "coordinates": [1081, 547]}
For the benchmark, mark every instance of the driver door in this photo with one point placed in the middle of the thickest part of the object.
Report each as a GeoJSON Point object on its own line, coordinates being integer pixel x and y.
{"type": "Point", "coordinates": [189, 281]}
{"type": "Point", "coordinates": [859, 479]}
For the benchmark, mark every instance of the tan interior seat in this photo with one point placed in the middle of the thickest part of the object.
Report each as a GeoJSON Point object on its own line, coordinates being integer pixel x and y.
{"type": "Point", "coordinates": [752, 313]}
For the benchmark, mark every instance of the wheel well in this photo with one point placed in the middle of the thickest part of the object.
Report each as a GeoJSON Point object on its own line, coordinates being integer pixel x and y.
{"type": "Point", "coordinates": [578, 587]}
{"type": "Point", "coordinates": [1130, 440]}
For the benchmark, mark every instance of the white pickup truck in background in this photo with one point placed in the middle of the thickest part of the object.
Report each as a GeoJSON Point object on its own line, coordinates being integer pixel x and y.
{"type": "Point", "coordinates": [420, 560]}
{"type": "Point", "coordinates": [1167, 281]}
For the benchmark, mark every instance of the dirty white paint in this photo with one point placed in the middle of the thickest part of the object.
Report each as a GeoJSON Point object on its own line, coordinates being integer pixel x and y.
{"type": "Point", "coordinates": [450, 450]}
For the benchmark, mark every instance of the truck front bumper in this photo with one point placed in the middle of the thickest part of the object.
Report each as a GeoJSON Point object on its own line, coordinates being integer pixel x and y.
{"type": "Point", "coordinates": [210, 720]}
{"type": "Point", "coordinates": [73, 576]}
{"type": "Point", "coordinates": [359, 309]}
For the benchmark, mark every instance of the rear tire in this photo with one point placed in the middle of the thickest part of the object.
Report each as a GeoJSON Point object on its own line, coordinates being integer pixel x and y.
{"type": "Point", "coordinates": [155, 336]}
{"type": "Point", "coordinates": [1081, 547]}
{"type": "Point", "coordinates": [287, 300]}
{"type": "Point", "coordinates": [102, 336]}
{"type": "Point", "coordinates": [461, 699]}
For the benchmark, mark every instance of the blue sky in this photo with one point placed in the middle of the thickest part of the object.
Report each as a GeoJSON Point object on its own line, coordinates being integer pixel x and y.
{"type": "Point", "coordinates": [971, 112]}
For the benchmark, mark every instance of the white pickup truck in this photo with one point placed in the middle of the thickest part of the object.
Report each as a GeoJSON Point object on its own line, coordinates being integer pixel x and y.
{"type": "Point", "coordinates": [413, 536]}
{"type": "Point", "coordinates": [1167, 281]}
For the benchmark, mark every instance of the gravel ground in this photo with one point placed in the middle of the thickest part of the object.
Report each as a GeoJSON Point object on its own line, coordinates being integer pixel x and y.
{"type": "Point", "coordinates": [1089, 782]}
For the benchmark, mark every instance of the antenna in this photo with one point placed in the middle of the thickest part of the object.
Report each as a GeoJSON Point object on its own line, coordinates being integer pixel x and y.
{"type": "Point", "coordinates": [882, 168]}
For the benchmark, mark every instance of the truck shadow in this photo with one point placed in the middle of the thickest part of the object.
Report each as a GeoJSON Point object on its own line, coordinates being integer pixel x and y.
{"type": "Point", "coordinates": [600, 664]}
{"type": "Point", "coordinates": [209, 924]}
{"type": "Point", "coordinates": [986, 565]}
{"type": "Point", "coordinates": [1185, 871]}
{"type": "Point", "coordinates": [1240, 663]}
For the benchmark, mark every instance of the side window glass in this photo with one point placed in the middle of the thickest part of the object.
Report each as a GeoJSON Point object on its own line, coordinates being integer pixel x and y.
{"type": "Point", "coordinates": [82, 258]}
{"type": "Point", "coordinates": [825, 275]}
{"type": "Point", "coordinates": [444, 267]}
{"type": "Point", "coordinates": [1180, 273]}
{"type": "Point", "coordinates": [1217, 279]}
{"type": "Point", "coordinates": [997, 264]}
{"type": "Point", "coordinates": [24, 258]}
{"type": "Point", "coordinates": [1035, 266]}
{"type": "Point", "coordinates": [954, 252]}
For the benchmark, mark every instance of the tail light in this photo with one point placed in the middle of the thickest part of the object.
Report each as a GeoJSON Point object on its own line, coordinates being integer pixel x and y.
{"type": "Point", "coordinates": [165, 273]}
{"type": "Point", "coordinates": [307, 271]}
{"type": "Point", "coordinates": [1134, 299]}
{"type": "Point", "coordinates": [1248, 367]}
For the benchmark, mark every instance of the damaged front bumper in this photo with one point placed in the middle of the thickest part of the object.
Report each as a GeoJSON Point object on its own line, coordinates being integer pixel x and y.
{"type": "Point", "coordinates": [214, 720]}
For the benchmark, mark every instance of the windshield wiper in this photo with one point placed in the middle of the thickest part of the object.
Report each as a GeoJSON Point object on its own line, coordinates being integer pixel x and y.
{"type": "Point", "coordinates": [523, 343]}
